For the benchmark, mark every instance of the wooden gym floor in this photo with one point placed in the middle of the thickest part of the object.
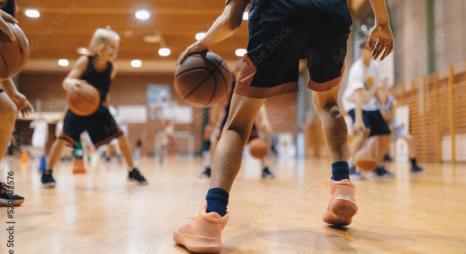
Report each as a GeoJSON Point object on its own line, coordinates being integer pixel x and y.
{"type": "Point", "coordinates": [100, 212]}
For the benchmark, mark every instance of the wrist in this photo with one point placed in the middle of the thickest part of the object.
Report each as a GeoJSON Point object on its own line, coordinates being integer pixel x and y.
{"type": "Point", "coordinates": [382, 21]}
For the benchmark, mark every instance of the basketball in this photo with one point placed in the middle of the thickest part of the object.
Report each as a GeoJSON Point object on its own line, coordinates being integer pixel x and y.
{"type": "Point", "coordinates": [203, 79]}
{"type": "Point", "coordinates": [364, 161]}
{"type": "Point", "coordinates": [258, 148]}
{"type": "Point", "coordinates": [14, 53]}
{"type": "Point", "coordinates": [83, 100]}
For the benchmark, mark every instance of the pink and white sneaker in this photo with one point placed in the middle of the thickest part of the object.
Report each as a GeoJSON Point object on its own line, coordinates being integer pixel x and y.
{"type": "Point", "coordinates": [342, 205]}
{"type": "Point", "coordinates": [202, 234]}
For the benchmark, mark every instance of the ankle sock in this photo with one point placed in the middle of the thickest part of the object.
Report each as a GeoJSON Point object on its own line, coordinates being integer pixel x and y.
{"type": "Point", "coordinates": [340, 170]}
{"type": "Point", "coordinates": [217, 201]}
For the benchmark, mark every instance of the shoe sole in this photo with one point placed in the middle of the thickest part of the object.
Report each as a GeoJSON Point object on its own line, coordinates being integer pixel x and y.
{"type": "Point", "coordinates": [138, 182]}
{"type": "Point", "coordinates": [342, 213]}
{"type": "Point", "coordinates": [180, 239]}
{"type": "Point", "coordinates": [49, 185]}
{"type": "Point", "coordinates": [4, 203]}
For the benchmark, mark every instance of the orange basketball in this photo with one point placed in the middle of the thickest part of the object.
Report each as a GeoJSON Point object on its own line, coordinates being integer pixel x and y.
{"type": "Point", "coordinates": [258, 148]}
{"type": "Point", "coordinates": [83, 100]}
{"type": "Point", "coordinates": [14, 54]}
{"type": "Point", "coordinates": [203, 79]}
{"type": "Point", "coordinates": [364, 161]}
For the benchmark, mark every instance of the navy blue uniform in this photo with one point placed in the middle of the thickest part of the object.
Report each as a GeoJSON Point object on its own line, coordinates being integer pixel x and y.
{"type": "Point", "coordinates": [101, 125]}
{"type": "Point", "coordinates": [283, 31]}
{"type": "Point", "coordinates": [374, 121]}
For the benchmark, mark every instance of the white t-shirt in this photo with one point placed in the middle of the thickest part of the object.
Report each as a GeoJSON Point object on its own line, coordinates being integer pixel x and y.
{"type": "Point", "coordinates": [358, 76]}
{"type": "Point", "coordinates": [40, 133]}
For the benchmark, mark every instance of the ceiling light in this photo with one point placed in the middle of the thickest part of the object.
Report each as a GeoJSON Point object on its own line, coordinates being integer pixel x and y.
{"type": "Point", "coordinates": [63, 62]}
{"type": "Point", "coordinates": [142, 14]}
{"type": "Point", "coordinates": [136, 63]}
{"type": "Point", "coordinates": [164, 52]}
{"type": "Point", "coordinates": [32, 13]}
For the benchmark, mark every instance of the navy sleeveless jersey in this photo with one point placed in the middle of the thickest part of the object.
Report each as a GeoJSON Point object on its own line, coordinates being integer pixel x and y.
{"type": "Point", "coordinates": [101, 80]}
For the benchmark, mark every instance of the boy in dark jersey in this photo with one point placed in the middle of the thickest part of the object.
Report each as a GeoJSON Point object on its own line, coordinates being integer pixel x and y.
{"type": "Point", "coordinates": [280, 33]}
{"type": "Point", "coordinates": [11, 101]}
{"type": "Point", "coordinates": [97, 69]}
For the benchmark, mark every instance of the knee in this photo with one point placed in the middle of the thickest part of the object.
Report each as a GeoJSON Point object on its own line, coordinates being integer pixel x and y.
{"type": "Point", "coordinates": [240, 130]}
{"type": "Point", "coordinates": [8, 115]}
{"type": "Point", "coordinates": [331, 108]}
{"type": "Point", "coordinates": [327, 103]}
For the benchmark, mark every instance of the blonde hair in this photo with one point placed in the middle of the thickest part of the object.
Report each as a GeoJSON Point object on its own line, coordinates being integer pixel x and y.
{"type": "Point", "coordinates": [102, 37]}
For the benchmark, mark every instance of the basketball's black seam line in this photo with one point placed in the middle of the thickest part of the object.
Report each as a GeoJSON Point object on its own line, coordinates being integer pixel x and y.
{"type": "Point", "coordinates": [191, 69]}
{"type": "Point", "coordinates": [202, 81]}
{"type": "Point", "coordinates": [198, 85]}
{"type": "Point", "coordinates": [215, 82]}
{"type": "Point", "coordinates": [5, 64]}
{"type": "Point", "coordinates": [215, 90]}
{"type": "Point", "coordinates": [225, 85]}
{"type": "Point", "coordinates": [223, 76]}
{"type": "Point", "coordinates": [224, 66]}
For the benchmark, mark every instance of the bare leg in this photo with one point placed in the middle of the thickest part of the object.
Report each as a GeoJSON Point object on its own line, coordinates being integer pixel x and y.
{"type": "Point", "coordinates": [229, 150]}
{"type": "Point", "coordinates": [357, 144]}
{"type": "Point", "coordinates": [342, 207]}
{"type": "Point", "coordinates": [333, 124]}
{"type": "Point", "coordinates": [55, 153]}
{"type": "Point", "coordinates": [124, 148]}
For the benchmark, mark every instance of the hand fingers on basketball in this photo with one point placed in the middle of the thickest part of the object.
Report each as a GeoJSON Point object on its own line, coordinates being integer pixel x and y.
{"type": "Point", "coordinates": [7, 30]}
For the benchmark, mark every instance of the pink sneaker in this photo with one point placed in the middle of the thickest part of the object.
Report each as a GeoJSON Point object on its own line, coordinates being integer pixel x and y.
{"type": "Point", "coordinates": [342, 206]}
{"type": "Point", "coordinates": [202, 234]}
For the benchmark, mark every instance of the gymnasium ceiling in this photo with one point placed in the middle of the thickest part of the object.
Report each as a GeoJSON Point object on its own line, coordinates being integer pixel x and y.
{"type": "Point", "coordinates": [64, 26]}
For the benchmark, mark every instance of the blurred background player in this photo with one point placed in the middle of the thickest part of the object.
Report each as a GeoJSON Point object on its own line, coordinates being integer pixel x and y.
{"type": "Point", "coordinates": [387, 105]}
{"type": "Point", "coordinates": [97, 69]}
{"type": "Point", "coordinates": [360, 102]}
{"type": "Point", "coordinates": [40, 133]}
{"type": "Point", "coordinates": [11, 102]}
{"type": "Point", "coordinates": [167, 140]}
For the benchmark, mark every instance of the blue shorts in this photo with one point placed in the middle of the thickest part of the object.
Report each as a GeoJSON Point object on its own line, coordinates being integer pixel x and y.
{"type": "Point", "coordinates": [373, 120]}
{"type": "Point", "coordinates": [281, 32]}
{"type": "Point", "coordinates": [101, 127]}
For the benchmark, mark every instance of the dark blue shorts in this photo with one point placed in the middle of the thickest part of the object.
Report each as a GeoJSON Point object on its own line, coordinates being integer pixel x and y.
{"type": "Point", "coordinates": [373, 120]}
{"type": "Point", "coordinates": [281, 32]}
{"type": "Point", "coordinates": [101, 127]}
